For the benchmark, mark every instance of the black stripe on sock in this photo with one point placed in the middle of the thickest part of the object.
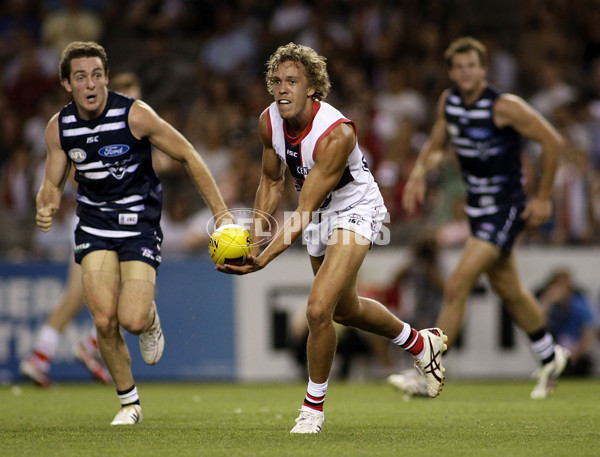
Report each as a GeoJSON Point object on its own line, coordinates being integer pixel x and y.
{"type": "Point", "coordinates": [537, 335]}
{"type": "Point", "coordinates": [126, 391]}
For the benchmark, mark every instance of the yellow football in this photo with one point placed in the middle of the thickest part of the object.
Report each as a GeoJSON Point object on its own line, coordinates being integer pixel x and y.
{"type": "Point", "coordinates": [229, 244]}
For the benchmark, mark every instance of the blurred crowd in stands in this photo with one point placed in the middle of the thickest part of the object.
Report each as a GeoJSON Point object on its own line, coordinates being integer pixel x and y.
{"type": "Point", "coordinates": [201, 66]}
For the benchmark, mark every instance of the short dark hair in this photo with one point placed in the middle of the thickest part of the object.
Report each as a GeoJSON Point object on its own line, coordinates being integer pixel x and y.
{"type": "Point", "coordinates": [466, 44]}
{"type": "Point", "coordinates": [76, 50]}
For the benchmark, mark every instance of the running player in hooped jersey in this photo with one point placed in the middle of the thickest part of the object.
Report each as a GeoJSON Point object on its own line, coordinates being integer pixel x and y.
{"type": "Point", "coordinates": [340, 210]}
{"type": "Point", "coordinates": [107, 137]}
{"type": "Point", "coordinates": [486, 130]}
{"type": "Point", "coordinates": [36, 365]}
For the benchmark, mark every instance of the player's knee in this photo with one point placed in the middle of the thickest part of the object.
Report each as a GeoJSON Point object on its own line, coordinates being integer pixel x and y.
{"type": "Point", "coordinates": [317, 315]}
{"type": "Point", "coordinates": [106, 325]}
{"type": "Point", "coordinates": [134, 326]}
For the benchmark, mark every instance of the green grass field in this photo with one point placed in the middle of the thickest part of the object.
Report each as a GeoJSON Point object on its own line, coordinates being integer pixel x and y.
{"type": "Point", "coordinates": [362, 419]}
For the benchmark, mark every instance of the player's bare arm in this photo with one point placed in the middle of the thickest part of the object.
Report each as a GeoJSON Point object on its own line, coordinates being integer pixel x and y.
{"type": "Point", "coordinates": [429, 158]}
{"type": "Point", "coordinates": [56, 173]}
{"type": "Point", "coordinates": [331, 157]}
{"type": "Point", "coordinates": [145, 122]}
{"type": "Point", "coordinates": [513, 111]}
{"type": "Point", "coordinates": [270, 188]}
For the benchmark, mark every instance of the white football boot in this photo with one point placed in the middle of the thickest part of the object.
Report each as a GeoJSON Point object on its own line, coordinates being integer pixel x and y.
{"type": "Point", "coordinates": [430, 366]}
{"type": "Point", "coordinates": [152, 341]}
{"type": "Point", "coordinates": [410, 382]}
{"type": "Point", "coordinates": [549, 373]}
{"type": "Point", "coordinates": [128, 415]}
{"type": "Point", "coordinates": [308, 421]}
{"type": "Point", "coordinates": [32, 370]}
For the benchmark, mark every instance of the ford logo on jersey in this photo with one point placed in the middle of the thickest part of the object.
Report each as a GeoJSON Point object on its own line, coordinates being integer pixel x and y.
{"type": "Point", "coordinates": [113, 150]}
{"type": "Point", "coordinates": [478, 133]}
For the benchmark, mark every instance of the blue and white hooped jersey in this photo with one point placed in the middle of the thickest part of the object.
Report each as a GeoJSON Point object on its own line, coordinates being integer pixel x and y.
{"type": "Point", "coordinates": [489, 156]}
{"type": "Point", "coordinates": [298, 153]}
{"type": "Point", "coordinates": [118, 192]}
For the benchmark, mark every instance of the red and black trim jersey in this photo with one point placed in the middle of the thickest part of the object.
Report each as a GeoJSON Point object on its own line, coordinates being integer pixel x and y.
{"type": "Point", "coordinates": [298, 154]}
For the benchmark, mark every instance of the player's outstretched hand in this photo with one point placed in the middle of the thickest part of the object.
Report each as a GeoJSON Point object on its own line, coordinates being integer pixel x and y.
{"type": "Point", "coordinates": [252, 264]}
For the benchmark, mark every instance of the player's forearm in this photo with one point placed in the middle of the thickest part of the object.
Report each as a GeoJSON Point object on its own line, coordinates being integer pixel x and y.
{"type": "Point", "coordinates": [207, 186]}
{"type": "Point", "coordinates": [432, 152]}
{"type": "Point", "coordinates": [427, 161]}
{"type": "Point", "coordinates": [546, 184]}
{"type": "Point", "coordinates": [268, 196]}
{"type": "Point", "coordinates": [289, 233]}
{"type": "Point", "coordinates": [47, 203]}
{"type": "Point", "coordinates": [550, 157]}
{"type": "Point", "coordinates": [48, 196]}
{"type": "Point", "coordinates": [293, 226]}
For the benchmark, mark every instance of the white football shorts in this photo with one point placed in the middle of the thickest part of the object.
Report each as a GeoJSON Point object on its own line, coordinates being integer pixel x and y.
{"type": "Point", "coordinates": [364, 219]}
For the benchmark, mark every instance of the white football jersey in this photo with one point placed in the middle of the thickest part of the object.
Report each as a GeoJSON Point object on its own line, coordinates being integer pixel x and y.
{"type": "Point", "coordinates": [298, 153]}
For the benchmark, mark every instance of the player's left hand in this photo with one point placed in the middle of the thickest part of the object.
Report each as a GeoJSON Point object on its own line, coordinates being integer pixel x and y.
{"type": "Point", "coordinates": [252, 264]}
{"type": "Point", "coordinates": [537, 211]}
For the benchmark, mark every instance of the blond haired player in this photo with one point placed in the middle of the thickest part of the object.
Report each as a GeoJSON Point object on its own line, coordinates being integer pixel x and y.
{"type": "Point", "coordinates": [340, 211]}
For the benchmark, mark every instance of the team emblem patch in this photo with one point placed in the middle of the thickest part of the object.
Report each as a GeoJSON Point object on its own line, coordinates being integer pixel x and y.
{"type": "Point", "coordinates": [453, 130]}
{"type": "Point", "coordinates": [77, 155]}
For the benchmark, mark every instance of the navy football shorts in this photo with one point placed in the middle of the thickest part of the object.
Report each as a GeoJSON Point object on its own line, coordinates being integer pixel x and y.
{"type": "Point", "coordinates": [500, 229]}
{"type": "Point", "coordinates": [144, 247]}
